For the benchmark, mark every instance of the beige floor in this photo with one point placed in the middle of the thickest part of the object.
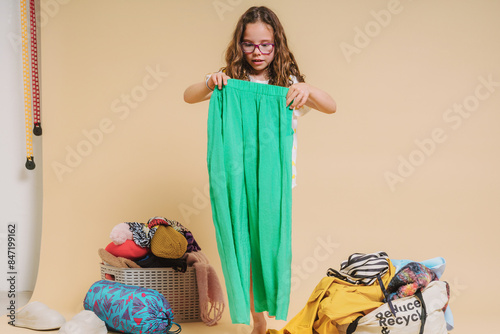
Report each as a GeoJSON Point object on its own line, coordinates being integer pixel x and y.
{"type": "Point", "coordinates": [469, 325]}
{"type": "Point", "coordinates": [195, 327]}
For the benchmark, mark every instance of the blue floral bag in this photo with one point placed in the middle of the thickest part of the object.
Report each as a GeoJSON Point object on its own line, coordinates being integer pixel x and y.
{"type": "Point", "coordinates": [130, 309]}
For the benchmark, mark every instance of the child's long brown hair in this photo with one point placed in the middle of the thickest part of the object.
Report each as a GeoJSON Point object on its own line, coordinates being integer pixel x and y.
{"type": "Point", "coordinates": [283, 64]}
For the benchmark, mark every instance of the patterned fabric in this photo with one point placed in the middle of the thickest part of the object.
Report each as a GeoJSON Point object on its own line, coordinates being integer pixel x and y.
{"type": "Point", "coordinates": [140, 234]}
{"type": "Point", "coordinates": [143, 233]}
{"type": "Point", "coordinates": [362, 268]}
{"type": "Point", "coordinates": [130, 309]}
{"type": "Point", "coordinates": [410, 279]}
{"type": "Point", "coordinates": [192, 244]}
{"type": "Point", "coordinates": [164, 221]}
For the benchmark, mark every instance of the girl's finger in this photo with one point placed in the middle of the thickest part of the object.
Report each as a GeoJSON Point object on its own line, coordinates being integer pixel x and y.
{"type": "Point", "coordinates": [302, 102]}
{"type": "Point", "coordinates": [297, 100]}
{"type": "Point", "coordinates": [290, 96]}
{"type": "Point", "coordinates": [214, 80]}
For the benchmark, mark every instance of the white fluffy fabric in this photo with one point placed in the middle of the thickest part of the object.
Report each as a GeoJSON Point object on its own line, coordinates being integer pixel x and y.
{"type": "Point", "coordinates": [85, 322]}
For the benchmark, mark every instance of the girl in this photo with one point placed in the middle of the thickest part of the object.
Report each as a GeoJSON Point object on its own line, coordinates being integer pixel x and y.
{"type": "Point", "coordinates": [259, 53]}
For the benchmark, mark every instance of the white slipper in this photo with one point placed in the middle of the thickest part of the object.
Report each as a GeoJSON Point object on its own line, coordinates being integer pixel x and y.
{"type": "Point", "coordinates": [85, 322]}
{"type": "Point", "coordinates": [38, 316]}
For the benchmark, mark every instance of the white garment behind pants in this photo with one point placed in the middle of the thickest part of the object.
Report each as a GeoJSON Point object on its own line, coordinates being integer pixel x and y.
{"type": "Point", "coordinates": [296, 113]}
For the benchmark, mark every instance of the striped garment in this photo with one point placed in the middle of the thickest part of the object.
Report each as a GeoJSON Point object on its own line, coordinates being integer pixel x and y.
{"type": "Point", "coordinates": [362, 268]}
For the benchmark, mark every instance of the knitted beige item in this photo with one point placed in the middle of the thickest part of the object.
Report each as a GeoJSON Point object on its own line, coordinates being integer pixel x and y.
{"type": "Point", "coordinates": [115, 261]}
{"type": "Point", "coordinates": [168, 243]}
{"type": "Point", "coordinates": [209, 288]}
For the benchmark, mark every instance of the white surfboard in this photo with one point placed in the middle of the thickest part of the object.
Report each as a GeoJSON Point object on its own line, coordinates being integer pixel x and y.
{"type": "Point", "coordinates": [20, 188]}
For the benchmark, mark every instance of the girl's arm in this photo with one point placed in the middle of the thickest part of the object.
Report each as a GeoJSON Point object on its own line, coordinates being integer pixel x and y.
{"type": "Point", "coordinates": [304, 94]}
{"type": "Point", "coordinates": [197, 92]}
{"type": "Point", "coordinates": [203, 90]}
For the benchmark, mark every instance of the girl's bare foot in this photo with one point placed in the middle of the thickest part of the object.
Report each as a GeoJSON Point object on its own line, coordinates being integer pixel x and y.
{"type": "Point", "coordinates": [259, 325]}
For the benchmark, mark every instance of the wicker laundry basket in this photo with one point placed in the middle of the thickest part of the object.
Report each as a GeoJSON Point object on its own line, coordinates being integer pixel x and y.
{"type": "Point", "coordinates": [180, 289]}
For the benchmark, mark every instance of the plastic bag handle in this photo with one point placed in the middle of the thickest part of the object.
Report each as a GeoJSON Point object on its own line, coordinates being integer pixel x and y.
{"type": "Point", "coordinates": [177, 331]}
{"type": "Point", "coordinates": [423, 317]}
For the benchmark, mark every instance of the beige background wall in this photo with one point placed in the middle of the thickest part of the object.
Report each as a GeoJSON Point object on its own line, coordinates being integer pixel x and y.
{"type": "Point", "coordinates": [407, 165]}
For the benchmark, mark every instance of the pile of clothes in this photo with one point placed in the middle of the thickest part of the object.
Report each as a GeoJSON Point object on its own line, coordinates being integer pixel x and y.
{"type": "Point", "coordinates": [374, 294]}
{"type": "Point", "coordinates": [165, 243]}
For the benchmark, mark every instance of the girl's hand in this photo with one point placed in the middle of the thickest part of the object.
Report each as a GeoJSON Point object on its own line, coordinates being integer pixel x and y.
{"type": "Point", "coordinates": [298, 93]}
{"type": "Point", "coordinates": [217, 79]}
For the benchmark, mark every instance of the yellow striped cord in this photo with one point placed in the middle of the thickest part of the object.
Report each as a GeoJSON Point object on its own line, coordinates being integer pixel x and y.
{"type": "Point", "coordinates": [28, 117]}
{"type": "Point", "coordinates": [37, 129]}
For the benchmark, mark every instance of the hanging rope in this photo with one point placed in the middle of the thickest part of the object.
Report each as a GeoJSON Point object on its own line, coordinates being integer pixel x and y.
{"type": "Point", "coordinates": [37, 129]}
{"type": "Point", "coordinates": [30, 163]}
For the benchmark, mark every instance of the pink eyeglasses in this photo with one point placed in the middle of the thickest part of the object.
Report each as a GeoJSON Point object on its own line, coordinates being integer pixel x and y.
{"type": "Point", "coordinates": [264, 48]}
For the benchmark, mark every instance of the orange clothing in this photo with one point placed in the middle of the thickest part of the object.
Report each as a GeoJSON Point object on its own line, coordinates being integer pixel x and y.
{"type": "Point", "coordinates": [336, 302]}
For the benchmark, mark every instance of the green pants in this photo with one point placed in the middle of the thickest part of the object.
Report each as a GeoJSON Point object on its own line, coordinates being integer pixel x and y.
{"type": "Point", "coordinates": [249, 161]}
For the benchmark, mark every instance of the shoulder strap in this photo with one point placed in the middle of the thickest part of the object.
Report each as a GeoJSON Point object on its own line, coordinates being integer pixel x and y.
{"type": "Point", "coordinates": [386, 295]}
{"type": "Point", "coordinates": [423, 317]}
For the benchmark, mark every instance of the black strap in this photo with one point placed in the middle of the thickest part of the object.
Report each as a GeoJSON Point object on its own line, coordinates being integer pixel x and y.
{"type": "Point", "coordinates": [386, 295]}
{"type": "Point", "coordinates": [353, 325]}
{"type": "Point", "coordinates": [423, 317]}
